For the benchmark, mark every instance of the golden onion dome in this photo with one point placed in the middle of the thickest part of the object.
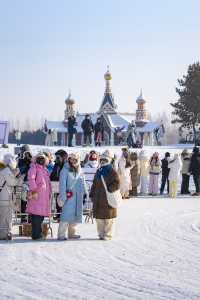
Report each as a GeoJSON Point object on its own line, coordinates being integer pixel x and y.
{"type": "Point", "coordinates": [108, 76]}
{"type": "Point", "coordinates": [69, 100]}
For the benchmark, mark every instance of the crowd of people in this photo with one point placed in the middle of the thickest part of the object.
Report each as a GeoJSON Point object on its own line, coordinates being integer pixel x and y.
{"type": "Point", "coordinates": [80, 182]}
{"type": "Point", "coordinates": [97, 130]}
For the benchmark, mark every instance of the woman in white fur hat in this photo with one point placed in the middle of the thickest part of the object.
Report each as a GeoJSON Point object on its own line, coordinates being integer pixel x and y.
{"type": "Point", "coordinates": [7, 182]}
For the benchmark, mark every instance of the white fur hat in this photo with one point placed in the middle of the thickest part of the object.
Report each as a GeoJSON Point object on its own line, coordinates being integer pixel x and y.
{"type": "Point", "coordinates": [108, 155]}
{"type": "Point", "coordinates": [75, 156]}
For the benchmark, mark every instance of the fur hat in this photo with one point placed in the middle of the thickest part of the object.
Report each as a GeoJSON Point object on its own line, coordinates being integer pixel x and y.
{"type": "Point", "coordinates": [40, 154]}
{"type": "Point", "coordinates": [75, 156]}
{"type": "Point", "coordinates": [143, 155]}
{"type": "Point", "coordinates": [107, 155]}
{"type": "Point", "coordinates": [185, 152]}
{"type": "Point", "coordinates": [176, 155]}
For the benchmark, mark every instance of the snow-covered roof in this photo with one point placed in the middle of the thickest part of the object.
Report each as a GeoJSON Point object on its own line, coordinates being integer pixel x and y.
{"type": "Point", "coordinates": [118, 121]}
{"type": "Point", "coordinates": [58, 126]}
{"type": "Point", "coordinates": [149, 127]}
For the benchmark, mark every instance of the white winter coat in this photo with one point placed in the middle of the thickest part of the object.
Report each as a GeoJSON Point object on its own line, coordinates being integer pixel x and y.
{"type": "Point", "coordinates": [175, 168]}
{"type": "Point", "coordinates": [125, 176]}
{"type": "Point", "coordinates": [5, 195]}
{"type": "Point", "coordinates": [144, 164]}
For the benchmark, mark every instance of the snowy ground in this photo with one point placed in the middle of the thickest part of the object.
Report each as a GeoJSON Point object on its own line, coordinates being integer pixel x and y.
{"type": "Point", "coordinates": [155, 255]}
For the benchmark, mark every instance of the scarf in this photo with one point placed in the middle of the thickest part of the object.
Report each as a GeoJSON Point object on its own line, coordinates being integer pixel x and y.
{"type": "Point", "coordinates": [104, 171]}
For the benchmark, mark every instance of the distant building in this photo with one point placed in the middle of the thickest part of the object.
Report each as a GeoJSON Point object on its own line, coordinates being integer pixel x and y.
{"type": "Point", "coordinates": [112, 119]}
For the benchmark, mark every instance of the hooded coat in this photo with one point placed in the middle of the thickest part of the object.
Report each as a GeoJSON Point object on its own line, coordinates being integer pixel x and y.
{"type": "Point", "coordinates": [125, 175]}
{"type": "Point", "coordinates": [135, 170]}
{"type": "Point", "coordinates": [7, 182]}
{"type": "Point", "coordinates": [39, 182]}
{"type": "Point", "coordinates": [186, 159]}
{"type": "Point", "coordinates": [7, 177]}
{"type": "Point", "coordinates": [175, 168]}
{"type": "Point", "coordinates": [72, 210]}
{"type": "Point", "coordinates": [144, 164]}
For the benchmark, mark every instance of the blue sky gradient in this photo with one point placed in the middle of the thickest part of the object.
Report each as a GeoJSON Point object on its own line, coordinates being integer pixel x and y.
{"type": "Point", "coordinates": [49, 47]}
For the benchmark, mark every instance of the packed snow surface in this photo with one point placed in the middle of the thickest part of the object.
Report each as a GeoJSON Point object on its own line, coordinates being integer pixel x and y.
{"type": "Point", "coordinates": [154, 255]}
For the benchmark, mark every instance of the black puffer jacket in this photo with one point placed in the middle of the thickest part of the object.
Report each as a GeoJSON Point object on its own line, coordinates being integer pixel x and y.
{"type": "Point", "coordinates": [87, 126]}
{"type": "Point", "coordinates": [195, 164]}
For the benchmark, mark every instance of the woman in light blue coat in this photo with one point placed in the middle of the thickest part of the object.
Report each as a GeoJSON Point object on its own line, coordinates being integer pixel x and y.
{"type": "Point", "coordinates": [72, 193]}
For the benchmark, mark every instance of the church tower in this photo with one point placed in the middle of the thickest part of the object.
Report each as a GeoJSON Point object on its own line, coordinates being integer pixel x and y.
{"type": "Point", "coordinates": [141, 112]}
{"type": "Point", "coordinates": [108, 106]}
{"type": "Point", "coordinates": [70, 107]}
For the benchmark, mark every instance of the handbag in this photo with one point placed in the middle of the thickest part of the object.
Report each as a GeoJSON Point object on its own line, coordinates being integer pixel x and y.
{"type": "Point", "coordinates": [115, 198]}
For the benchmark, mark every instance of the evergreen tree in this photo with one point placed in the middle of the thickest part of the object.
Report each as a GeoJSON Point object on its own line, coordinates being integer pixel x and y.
{"type": "Point", "coordinates": [187, 108]}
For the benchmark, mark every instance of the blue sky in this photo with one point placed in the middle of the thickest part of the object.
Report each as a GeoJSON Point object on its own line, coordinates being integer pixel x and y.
{"type": "Point", "coordinates": [49, 47]}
